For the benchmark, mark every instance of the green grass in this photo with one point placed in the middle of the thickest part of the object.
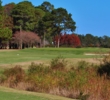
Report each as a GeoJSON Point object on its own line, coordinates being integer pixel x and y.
{"type": "Point", "coordinates": [18, 96]}
{"type": "Point", "coordinates": [36, 54]}
{"type": "Point", "coordinates": [12, 94]}
{"type": "Point", "coordinates": [39, 54]}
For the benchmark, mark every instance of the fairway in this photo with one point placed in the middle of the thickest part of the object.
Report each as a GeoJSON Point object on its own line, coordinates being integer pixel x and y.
{"type": "Point", "coordinates": [12, 94]}
{"type": "Point", "coordinates": [45, 54]}
{"type": "Point", "coordinates": [18, 96]}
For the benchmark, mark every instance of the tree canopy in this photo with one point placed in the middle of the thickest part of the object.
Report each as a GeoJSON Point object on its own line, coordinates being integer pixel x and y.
{"type": "Point", "coordinates": [5, 30]}
{"type": "Point", "coordinates": [46, 6]}
{"type": "Point", "coordinates": [45, 21]}
{"type": "Point", "coordinates": [24, 15]}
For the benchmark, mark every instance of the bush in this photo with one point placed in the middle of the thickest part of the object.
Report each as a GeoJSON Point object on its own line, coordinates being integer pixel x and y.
{"type": "Point", "coordinates": [58, 63]}
{"type": "Point", "coordinates": [83, 96]}
{"type": "Point", "coordinates": [37, 68]}
{"type": "Point", "coordinates": [14, 75]}
{"type": "Point", "coordinates": [2, 78]}
{"type": "Point", "coordinates": [104, 68]}
{"type": "Point", "coordinates": [83, 64]}
{"type": "Point", "coordinates": [34, 68]}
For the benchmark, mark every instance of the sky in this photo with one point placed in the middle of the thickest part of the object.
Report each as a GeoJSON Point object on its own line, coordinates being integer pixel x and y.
{"type": "Point", "coordinates": [91, 16]}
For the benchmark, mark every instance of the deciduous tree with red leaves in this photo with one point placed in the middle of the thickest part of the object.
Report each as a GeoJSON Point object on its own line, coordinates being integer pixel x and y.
{"type": "Point", "coordinates": [68, 40]}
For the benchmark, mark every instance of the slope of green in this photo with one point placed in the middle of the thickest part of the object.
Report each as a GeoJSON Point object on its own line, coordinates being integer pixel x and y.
{"type": "Point", "coordinates": [12, 94]}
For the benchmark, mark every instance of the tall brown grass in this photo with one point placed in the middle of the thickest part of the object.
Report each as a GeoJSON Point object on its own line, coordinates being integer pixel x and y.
{"type": "Point", "coordinates": [83, 82]}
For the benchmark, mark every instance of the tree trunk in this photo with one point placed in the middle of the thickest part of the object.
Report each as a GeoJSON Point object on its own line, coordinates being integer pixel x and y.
{"type": "Point", "coordinates": [58, 45]}
{"type": "Point", "coordinates": [44, 40]}
{"type": "Point", "coordinates": [58, 42]}
{"type": "Point", "coordinates": [20, 38]}
{"type": "Point", "coordinates": [7, 45]}
{"type": "Point", "coordinates": [21, 44]}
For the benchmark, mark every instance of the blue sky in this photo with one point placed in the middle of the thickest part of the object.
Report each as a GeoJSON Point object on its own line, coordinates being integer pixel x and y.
{"type": "Point", "coordinates": [91, 16]}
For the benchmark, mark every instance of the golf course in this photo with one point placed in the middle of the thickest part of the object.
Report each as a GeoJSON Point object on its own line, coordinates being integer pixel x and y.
{"type": "Point", "coordinates": [25, 57]}
{"type": "Point", "coordinates": [46, 54]}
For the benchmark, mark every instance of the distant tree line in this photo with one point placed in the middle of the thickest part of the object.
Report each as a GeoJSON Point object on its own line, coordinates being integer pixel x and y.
{"type": "Point", "coordinates": [44, 21]}
{"type": "Point", "coordinates": [25, 25]}
{"type": "Point", "coordinates": [89, 40]}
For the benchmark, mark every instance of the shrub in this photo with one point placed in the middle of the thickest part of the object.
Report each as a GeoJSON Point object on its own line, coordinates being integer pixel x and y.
{"type": "Point", "coordinates": [14, 75]}
{"type": "Point", "coordinates": [104, 68]}
{"type": "Point", "coordinates": [34, 68]}
{"type": "Point", "coordinates": [82, 64]}
{"type": "Point", "coordinates": [58, 63]}
{"type": "Point", "coordinates": [2, 78]}
{"type": "Point", "coordinates": [37, 68]}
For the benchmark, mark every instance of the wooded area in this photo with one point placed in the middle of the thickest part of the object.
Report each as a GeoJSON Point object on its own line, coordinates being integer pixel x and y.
{"type": "Point", "coordinates": [25, 25]}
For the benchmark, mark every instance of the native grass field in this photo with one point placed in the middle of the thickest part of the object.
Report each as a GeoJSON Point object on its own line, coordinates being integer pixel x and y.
{"type": "Point", "coordinates": [64, 78]}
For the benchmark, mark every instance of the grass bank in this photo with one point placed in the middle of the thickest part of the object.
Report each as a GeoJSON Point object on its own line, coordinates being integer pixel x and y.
{"type": "Point", "coordinates": [12, 94]}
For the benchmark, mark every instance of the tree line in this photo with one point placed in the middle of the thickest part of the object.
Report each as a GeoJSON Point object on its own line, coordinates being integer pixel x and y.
{"type": "Point", "coordinates": [43, 20]}
{"type": "Point", "coordinates": [90, 40]}
{"type": "Point", "coordinates": [25, 25]}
